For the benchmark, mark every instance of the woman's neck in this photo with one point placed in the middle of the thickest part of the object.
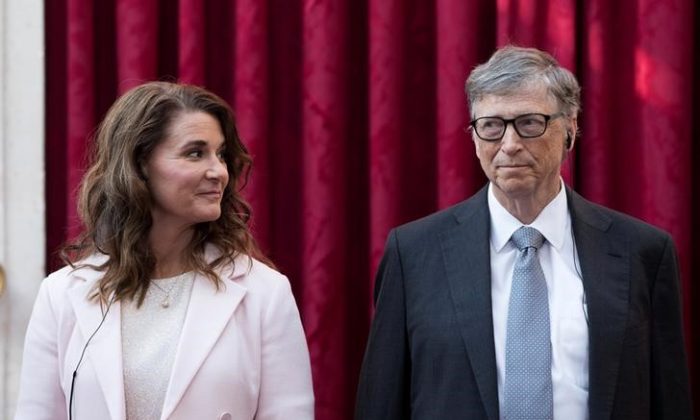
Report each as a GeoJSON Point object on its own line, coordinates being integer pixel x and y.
{"type": "Point", "coordinates": [168, 246]}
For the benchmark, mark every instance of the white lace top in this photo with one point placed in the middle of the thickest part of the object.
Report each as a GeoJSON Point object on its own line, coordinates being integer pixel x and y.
{"type": "Point", "coordinates": [150, 335]}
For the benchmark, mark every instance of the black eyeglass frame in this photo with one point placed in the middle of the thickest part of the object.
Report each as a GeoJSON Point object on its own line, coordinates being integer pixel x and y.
{"type": "Point", "coordinates": [511, 121]}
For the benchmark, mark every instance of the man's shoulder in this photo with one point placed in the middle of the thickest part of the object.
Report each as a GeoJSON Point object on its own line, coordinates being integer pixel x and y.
{"type": "Point", "coordinates": [447, 218]}
{"type": "Point", "coordinates": [607, 218]}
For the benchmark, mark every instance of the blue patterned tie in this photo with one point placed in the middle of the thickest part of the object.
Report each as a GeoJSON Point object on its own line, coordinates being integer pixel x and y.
{"type": "Point", "coordinates": [528, 384]}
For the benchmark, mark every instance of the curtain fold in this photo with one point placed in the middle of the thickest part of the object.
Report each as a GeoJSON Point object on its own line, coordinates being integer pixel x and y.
{"type": "Point", "coordinates": [355, 115]}
{"type": "Point", "coordinates": [252, 104]}
{"type": "Point", "coordinates": [80, 110]}
{"type": "Point", "coordinates": [324, 119]}
{"type": "Point", "coordinates": [137, 42]}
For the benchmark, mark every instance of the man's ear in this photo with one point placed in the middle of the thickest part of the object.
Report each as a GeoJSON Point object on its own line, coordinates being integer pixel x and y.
{"type": "Point", "coordinates": [571, 134]}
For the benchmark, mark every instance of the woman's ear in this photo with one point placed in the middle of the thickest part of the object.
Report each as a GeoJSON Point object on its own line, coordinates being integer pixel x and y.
{"type": "Point", "coordinates": [143, 171]}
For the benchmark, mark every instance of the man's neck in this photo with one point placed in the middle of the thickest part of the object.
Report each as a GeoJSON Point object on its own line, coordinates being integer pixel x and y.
{"type": "Point", "coordinates": [525, 208]}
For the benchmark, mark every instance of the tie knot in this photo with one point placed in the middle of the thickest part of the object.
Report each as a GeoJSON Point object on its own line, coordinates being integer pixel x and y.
{"type": "Point", "coordinates": [527, 237]}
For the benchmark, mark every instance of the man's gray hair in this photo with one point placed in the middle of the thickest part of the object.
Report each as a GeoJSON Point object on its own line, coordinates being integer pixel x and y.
{"type": "Point", "coordinates": [511, 68]}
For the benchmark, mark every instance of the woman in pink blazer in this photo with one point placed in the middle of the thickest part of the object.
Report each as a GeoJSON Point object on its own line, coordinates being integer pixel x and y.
{"type": "Point", "coordinates": [167, 309]}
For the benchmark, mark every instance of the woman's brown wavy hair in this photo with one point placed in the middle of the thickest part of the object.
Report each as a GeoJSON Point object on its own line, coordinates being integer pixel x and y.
{"type": "Point", "coordinates": [114, 201]}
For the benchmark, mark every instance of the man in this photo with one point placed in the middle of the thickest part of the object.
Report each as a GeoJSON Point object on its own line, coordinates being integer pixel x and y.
{"type": "Point", "coordinates": [526, 301]}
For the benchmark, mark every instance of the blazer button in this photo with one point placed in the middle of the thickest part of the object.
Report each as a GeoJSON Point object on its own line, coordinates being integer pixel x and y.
{"type": "Point", "coordinates": [225, 416]}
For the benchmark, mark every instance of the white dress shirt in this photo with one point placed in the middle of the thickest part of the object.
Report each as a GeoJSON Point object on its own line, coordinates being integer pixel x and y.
{"type": "Point", "coordinates": [567, 310]}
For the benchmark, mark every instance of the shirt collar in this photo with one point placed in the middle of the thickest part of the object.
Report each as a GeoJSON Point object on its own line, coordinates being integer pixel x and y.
{"type": "Point", "coordinates": [553, 221]}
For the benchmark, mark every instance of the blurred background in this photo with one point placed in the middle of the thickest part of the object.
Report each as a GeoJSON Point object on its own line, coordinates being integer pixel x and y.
{"type": "Point", "coordinates": [355, 113]}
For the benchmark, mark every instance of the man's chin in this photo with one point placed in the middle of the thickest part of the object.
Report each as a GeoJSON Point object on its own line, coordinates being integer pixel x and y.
{"type": "Point", "coordinates": [515, 187]}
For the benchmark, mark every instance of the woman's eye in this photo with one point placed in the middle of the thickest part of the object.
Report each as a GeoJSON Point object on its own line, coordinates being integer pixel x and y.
{"type": "Point", "coordinates": [194, 154]}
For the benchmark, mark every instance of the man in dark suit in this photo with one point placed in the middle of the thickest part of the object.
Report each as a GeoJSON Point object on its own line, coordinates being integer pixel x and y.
{"type": "Point", "coordinates": [584, 322]}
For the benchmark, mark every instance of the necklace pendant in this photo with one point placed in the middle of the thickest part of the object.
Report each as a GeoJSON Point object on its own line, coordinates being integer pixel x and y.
{"type": "Point", "coordinates": [165, 304]}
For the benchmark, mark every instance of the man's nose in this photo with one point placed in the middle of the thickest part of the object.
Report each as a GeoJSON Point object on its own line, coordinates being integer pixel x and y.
{"type": "Point", "coordinates": [510, 141]}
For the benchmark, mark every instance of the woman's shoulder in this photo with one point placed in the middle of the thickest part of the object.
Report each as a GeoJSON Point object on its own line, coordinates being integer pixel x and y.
{"type": "Point", "coordinates": [253, 275]}
{"type": "Point", "coordinates": [79, 271]}
{"type": "Point", "coordinates": [253, 270]}
{"type": "Point", "coordinates": [79, 277]}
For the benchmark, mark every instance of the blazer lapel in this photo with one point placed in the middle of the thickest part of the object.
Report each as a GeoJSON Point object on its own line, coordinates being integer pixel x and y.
{"type": "Point", "coordinates": [208, 314]}
{"type": "Point", "coordinates": [105, 349]}
{"type": "Point", "coordinates": [605, 269]}
{"type": "Point", "coordinates": [465, 249]}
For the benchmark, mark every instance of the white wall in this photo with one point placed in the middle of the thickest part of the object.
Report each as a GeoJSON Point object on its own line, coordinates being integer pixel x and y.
{"type": "Point", "coordinates": [22, 232]}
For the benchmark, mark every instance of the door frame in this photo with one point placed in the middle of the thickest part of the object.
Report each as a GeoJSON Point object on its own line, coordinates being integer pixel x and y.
{"type": "Point", "coordinates": [22, 199]}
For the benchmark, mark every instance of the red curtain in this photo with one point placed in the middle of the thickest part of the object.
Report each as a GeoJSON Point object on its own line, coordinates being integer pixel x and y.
{"type": "Point", "coordinates": [354, 112]}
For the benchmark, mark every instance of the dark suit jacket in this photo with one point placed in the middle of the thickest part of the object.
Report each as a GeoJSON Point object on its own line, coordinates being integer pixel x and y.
{"type": "Point", "coordinates": [431, 352]}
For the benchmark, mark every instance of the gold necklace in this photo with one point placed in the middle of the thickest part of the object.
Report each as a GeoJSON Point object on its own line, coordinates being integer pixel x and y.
{"type": "Point", "coordinates": [165, 303]}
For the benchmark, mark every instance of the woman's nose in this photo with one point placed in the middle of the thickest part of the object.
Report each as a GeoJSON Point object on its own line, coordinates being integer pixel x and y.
{"type": "Point", "coordinates": [217, 168]}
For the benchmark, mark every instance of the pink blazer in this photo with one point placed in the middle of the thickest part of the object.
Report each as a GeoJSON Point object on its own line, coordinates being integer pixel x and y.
{"type": "Point", "coordinates": [242, 352]}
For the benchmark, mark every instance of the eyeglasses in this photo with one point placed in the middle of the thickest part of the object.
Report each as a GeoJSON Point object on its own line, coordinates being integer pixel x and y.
{"type": "Point", "coordinates": [527, 126]}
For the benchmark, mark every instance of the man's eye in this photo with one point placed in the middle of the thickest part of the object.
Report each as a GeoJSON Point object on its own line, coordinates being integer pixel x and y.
{"type": "Point", "coordinates": [490, 124]}
{"type": "Point", "coordinates": [530, 121]}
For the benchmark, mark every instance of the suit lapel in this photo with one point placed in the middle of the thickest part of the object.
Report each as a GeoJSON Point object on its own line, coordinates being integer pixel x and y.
{"type": "Point", "coordinates": [465, 249]}
{"type": "Point", "coordinates": [105, 349]}
{"type": "Point", "coordinates": [605, 269]}
{"type": "Point", "coordinates": [208, 314]}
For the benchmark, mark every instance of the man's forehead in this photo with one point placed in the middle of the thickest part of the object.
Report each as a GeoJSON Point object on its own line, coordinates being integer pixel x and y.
{"type": "Point", "coordinates": [522, 100]}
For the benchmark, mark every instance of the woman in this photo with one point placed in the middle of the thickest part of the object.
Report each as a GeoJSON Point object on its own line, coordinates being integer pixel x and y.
{"type": "Point", "coordinates": [164, 312]}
